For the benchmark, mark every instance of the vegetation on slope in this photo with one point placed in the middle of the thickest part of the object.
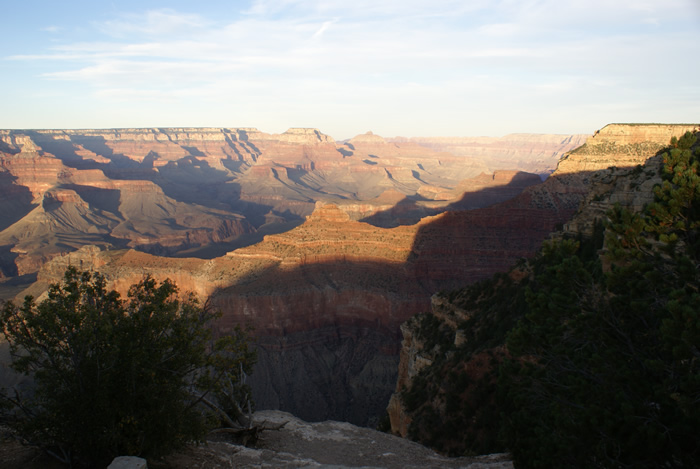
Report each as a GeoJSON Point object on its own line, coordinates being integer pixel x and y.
{"type": "Point", "coordinates": [460, 384]}
{"type": "Point", "coordinates": [594, 354]}
{"type": "Point", "coordinates": [114, 377]}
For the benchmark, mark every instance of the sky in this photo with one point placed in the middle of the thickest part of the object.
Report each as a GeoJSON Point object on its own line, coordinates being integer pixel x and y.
{"type": "Point", "coordinates": [394, 67]}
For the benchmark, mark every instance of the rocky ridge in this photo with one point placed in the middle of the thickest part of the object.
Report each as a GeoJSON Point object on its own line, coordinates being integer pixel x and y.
{"type": "Point", "coordinates": [297, 444]}
{"type": "Point", "coordinates": [340, 445]}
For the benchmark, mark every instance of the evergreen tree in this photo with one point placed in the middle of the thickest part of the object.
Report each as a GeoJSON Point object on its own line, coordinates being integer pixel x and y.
{"type": "Point", "coordinates": [606, 368]}
{"type": "Point", "coordinates": [116, 377]}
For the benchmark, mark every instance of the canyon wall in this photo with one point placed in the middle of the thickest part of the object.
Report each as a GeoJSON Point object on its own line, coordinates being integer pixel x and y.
{"type": "Point", "coordinates": [534, 153]}
{"type": "Point", "coordinates": [617, 165]}
{"type": "Point", "coordinates": [332, 245]}
{"type": "Point", "coordinates": [326, 298]}
{"type": "Point", "coordinates": [205, 191]}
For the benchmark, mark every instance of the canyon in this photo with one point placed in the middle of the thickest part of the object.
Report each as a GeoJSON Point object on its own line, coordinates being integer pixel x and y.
{"type": "Point", "coordinates": [204, 192]}
{"type": "Point", "coordinates": [324, 247]}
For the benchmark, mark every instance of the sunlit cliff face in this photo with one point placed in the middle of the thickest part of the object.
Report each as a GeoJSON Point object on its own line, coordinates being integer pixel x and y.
{"type": "Point", "coordinates": [204, 192]}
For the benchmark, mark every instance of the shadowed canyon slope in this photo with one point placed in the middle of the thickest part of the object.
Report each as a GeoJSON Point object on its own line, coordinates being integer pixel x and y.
{"type": "Point", "coordinates": [326, 297]}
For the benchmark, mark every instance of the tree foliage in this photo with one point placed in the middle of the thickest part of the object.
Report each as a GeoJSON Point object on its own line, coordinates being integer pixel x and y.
{"type": "Point", "coordinates": [452, 401]}
{"type": "Point", "coordinates": [606, 365]}
{"type": "Point", "coordinates": [115, 376]}
{"type": "Point", "coordinates": [602, 360]}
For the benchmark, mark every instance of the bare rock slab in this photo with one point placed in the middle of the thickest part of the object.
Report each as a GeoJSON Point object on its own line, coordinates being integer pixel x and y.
{"type": "Point", "coordinates": [128, 462]}
{"type": "Point", "coordinates": [330, 444]}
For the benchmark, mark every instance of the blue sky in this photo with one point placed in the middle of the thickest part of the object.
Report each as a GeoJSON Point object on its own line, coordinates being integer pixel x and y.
{"type": "Point", "coordinates": [395, 67]}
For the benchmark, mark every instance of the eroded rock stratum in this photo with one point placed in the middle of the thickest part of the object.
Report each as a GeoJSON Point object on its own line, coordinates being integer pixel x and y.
{"type": "Point", "coordinates": [324, 247]}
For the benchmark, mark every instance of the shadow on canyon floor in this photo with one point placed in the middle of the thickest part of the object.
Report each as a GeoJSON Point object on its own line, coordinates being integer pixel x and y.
{"type": "Point", "coordinates": [411, 209]}
{"type": "Point", "coordinates": [300, 312]}
{"type": "Point", "coordinates": [328, 332]}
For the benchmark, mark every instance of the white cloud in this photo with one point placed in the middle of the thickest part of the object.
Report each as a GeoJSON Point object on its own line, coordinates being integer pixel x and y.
{"type": "Point", "coordinates": [393, 60]}
{"type": "Point", "coordinates": [366, 9]}
{"type": "Point", "coordinates": [152, 23]}
{"type": "Point", "coordinates": [324, 27]}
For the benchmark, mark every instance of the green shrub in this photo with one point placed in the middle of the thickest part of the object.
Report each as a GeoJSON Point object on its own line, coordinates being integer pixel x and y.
{"type": "Point", "coordinates": [115, 377]}
{"type": "Point", "coordinates": [605, 369]}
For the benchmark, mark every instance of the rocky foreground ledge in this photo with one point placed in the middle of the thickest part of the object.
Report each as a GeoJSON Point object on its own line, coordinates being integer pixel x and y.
{"type": "Point", "coordinates": [324, 444]}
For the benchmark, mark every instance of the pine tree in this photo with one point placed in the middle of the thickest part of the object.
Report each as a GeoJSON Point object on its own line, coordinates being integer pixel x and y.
{"type": "Point", "coordinates": [116, 377]}
{"type": "Point", "coordinates": [606, 368]}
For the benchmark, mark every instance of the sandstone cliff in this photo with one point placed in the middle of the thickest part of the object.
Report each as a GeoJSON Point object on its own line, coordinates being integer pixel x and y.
{"type": "Point", "coordinates": [616, 154]}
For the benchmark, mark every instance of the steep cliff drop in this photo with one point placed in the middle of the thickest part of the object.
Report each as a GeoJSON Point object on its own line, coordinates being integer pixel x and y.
{"type": "Point", "coordinates": [338, 290]}
{"type": "Point", "coordinates": [618, 165]}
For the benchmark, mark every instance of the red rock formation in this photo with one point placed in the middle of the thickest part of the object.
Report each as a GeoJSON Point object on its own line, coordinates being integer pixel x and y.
{"type": "Point", "coordinates": [162, 190]}
{"type": "Point", "coordinates": [70, 207]}
{"type": "Point", "coordinates": [329, 280]}
{"type": "Point", "coordinates": [339, 270]}
{"type": "Point", "coordinates": [32, 170]}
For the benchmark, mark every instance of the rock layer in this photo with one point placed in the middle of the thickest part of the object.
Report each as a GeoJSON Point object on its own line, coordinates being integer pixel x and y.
{"type": "Point", "coordinates": [534, 153]}
{"type": "Point", "coordinates": [327, 297]}
{"type": "Point", "coordinates": [206, 191]}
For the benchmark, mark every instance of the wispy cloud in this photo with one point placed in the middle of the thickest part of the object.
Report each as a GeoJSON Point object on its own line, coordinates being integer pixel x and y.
{"type": "Point", "coordinates": [445, 54]}
{"type": "Point", "coordinates": [289, 44]}
{"type": "Point", "coordinates": [152, 23]}
{"type": "Point", "coordinates": [324, 27]}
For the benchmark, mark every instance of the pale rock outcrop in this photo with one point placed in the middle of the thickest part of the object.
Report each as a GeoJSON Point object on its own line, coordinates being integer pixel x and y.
{"type": "Point", "coordinates": [366, 138]}
{"type": "Point", "coordinates": [328, 444]}
{"type": "Point", "coordinates": [411, 361]}
{"type": "Point", "coordinates": [304, 136]}
{"type": "Point", "coordinates": [128, 462]}
{"type": "Point", "coordinates": [611, 163]}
